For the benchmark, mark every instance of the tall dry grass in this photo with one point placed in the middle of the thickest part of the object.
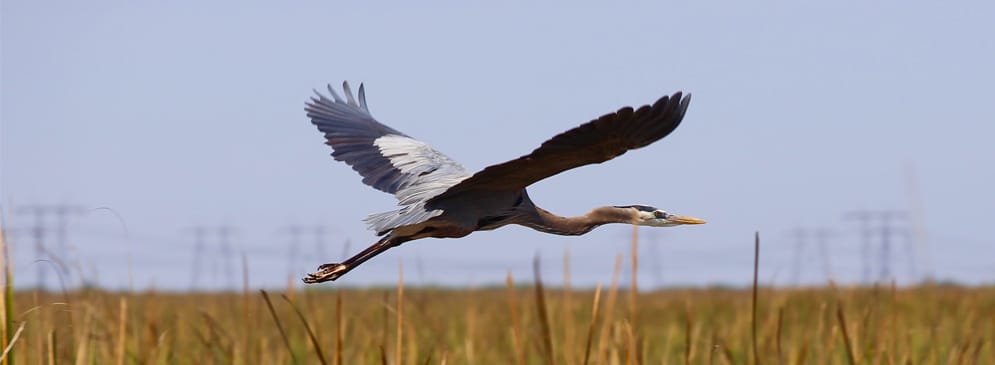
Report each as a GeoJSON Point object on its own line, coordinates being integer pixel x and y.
{"type": "Point", "coordinates": [923, 325]}
{"type": "Point", "coordinates": [518, 324]}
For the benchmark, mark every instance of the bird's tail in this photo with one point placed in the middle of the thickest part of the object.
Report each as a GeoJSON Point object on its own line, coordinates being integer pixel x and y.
{"type": "Point", "coordinates": [411, 214]}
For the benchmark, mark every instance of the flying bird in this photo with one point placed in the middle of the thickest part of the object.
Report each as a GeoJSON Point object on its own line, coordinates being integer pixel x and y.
{"type": "Point", "coordinates": [437, 197]}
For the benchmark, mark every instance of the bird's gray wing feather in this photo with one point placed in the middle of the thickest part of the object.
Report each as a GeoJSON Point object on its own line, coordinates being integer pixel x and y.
{"type": "Point", "coordinates": [387, 159]}
{"type": "Point", "coordinates": [594, 142]}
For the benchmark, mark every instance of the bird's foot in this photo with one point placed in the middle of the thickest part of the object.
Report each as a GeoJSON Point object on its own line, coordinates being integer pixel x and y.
{"type": "Point", "coordinates": [326, 272]}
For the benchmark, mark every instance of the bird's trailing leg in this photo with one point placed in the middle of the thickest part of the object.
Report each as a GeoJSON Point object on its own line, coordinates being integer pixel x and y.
{"type": "Point", "coordinates": [330, 272]}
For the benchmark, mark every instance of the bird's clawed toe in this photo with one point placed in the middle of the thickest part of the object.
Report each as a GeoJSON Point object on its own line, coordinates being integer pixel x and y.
{"type": "Point", "coordinates": [326, 272]}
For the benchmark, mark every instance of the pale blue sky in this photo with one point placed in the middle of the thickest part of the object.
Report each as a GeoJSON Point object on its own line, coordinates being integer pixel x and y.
{"type": "Point", "coordinates": [175, 115]}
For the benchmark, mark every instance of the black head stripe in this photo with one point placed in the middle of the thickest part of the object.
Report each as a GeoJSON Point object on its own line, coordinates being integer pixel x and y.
{"type": "Point", "coordinates": [644, 208]}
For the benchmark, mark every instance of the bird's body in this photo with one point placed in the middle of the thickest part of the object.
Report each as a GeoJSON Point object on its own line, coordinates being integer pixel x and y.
{"type": "Point", "coordinates": [439, 198]}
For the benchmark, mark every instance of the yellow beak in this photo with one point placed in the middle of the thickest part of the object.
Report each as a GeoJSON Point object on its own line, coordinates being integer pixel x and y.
{"type": "Point", "coordinates": [686, 220]}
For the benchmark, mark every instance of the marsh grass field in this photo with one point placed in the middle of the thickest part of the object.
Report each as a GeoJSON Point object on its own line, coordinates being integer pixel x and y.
{"type": "Point", "coordinates": [922, 325]}
{"type": "Point", "coordinates": [526, 321]}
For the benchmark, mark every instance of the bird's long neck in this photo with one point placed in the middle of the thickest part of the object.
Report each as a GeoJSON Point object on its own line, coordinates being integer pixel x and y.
{"type": "Point", "coordinates": [574, 226]}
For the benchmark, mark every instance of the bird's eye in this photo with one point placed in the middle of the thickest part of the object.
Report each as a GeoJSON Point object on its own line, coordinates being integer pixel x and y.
{"type": "Point", "coordinates": [660, 214]}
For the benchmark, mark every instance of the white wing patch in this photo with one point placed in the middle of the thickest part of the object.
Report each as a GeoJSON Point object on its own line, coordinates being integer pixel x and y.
{"type": "Point", "coordinates": [427, 173]}
{"type": "Point", "coordinates": [411, 156]}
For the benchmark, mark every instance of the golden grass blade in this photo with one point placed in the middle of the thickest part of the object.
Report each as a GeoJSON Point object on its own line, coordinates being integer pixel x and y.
{"type": "Point", "coordinates": [400, 315]}
{"type": "Point", "coordinates": [714, 348]}
{"type": "Point", "coordinates": [307, 327]}
{"type": "Point", "coordinates": [977, 350]}
{"type": "Point", "coordinates": [850, 356]}
{"type": "Point", "coordinates": [753, 316]}
{"type": "Point", "coordinates": [802, 354]}
{"type": "Point", "coordinates": [8, 290]}
{"type": "Point", "coordinates": [594, 323]}
{"type": "Point", "coordinates": [122, 330]}
{"type": "Point", "coordinates": [384, 314]}
{"type": "Point", "coordinates": [517, 335]}
{"type": "Point", "coordinates": [688, 334]}
{"type": "Point", "coordinates": [13, 340]}
{"type": "Point", "coordinates": [567, 312]}
{"type": "Point", "coordinates": [547, 336]}
{"type": "Point", "coordinates": [50, 347]}
{"type": "Point", "coordinates": [726, 353]}
{"type": "Point", "coordinates": [339, 328]}
{"type": "Point", "coordinates": [630, 343]}
{"type": "Point", "coordinates": [470, 319]}
{"type": "Point", "coordinates": [279, 326]}
{"type": "Point", "coordinates": [777, 338]}
{"type": "Point", "coordinates": [83, 346]}
{"type": "Point", "coordinates": [633, 274]}
{"type": "Point", "coordinates": [962, 353]}
{"type": "Point", "coordinates": [603, 343]}
{"type": "Point", "coordinates": [633, 293]}
{"type": "Point", "coordinates": [245, 339]}
{"type": "Point", "coordinates": [632, 352]}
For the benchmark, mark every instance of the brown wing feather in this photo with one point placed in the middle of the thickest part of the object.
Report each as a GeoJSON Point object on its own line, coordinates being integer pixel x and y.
{"type": "Point", "coordinates": [594, 142]}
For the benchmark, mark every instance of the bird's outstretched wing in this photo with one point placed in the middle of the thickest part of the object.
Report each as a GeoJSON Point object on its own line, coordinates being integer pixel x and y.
{"type": "Point", "coordinates": [388, 160]}
{"type": "Point", "coordinates": [594, 142]}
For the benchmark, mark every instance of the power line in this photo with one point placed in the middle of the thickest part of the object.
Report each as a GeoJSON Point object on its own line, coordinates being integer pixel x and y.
{"type": "Point", "coordinates": [816, 238]}
{"type": "Point", "coordinates": [295, 234]}
{"type": "Point", "coordinates": [199, 234]}
{"type": "Point", "coordinates": [919, 238]}
{"type": "Point", "coordinates": [40, 227]}
{"type": "Point", "coordinates": [222, 239]}
{"type": "Point", "coordinates": [822, 236]}
{"type": "Point", "coordinates": [885, 228]}
{"type": "Point", "coordinates": [864, 218]}
{"type": "Point", "coordinates": [224, 233]}
{"type": "Point", "coordinates": [888, 218]}
{"type": "Point", "coordinates": [799, 236]}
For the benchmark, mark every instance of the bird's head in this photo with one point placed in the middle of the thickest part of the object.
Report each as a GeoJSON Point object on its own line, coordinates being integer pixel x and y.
{"type": "Point", "coordinates": [653, 217]}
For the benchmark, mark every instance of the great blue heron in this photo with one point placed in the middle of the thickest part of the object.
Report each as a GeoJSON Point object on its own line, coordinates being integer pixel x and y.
{"type": "Point", "coordinates": [439, 198]}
